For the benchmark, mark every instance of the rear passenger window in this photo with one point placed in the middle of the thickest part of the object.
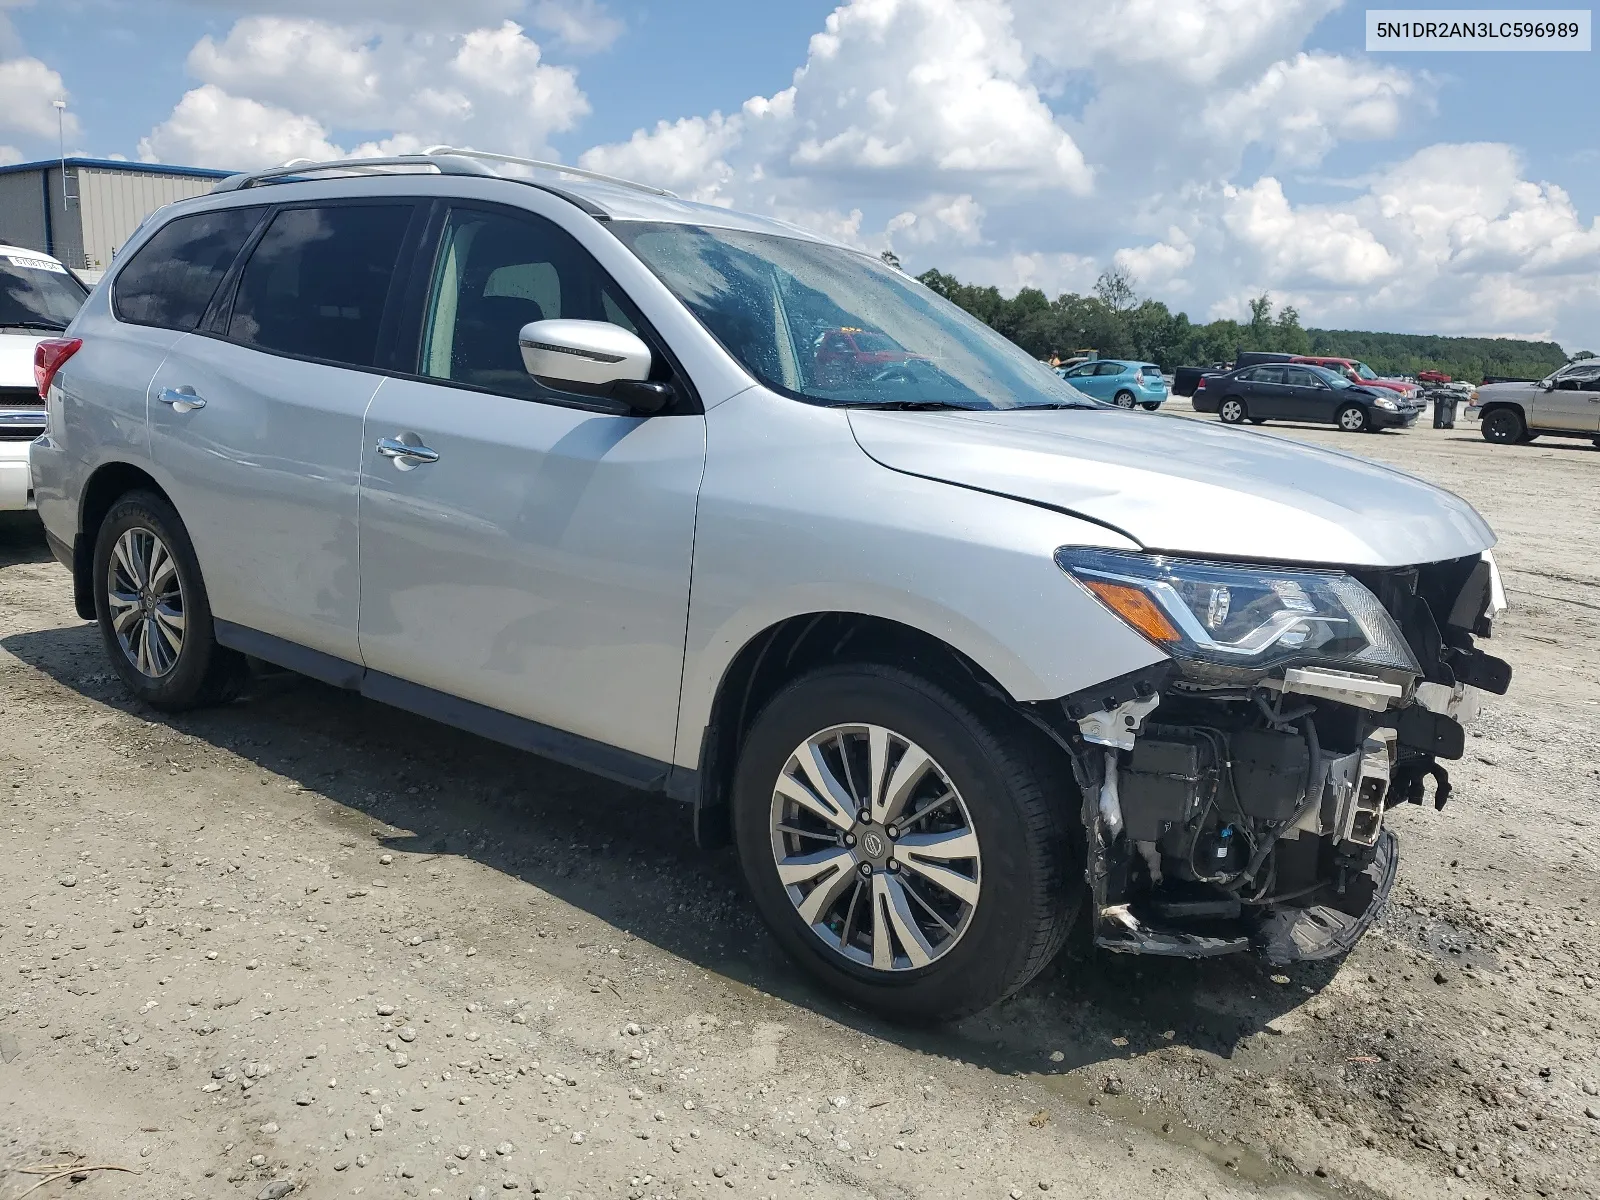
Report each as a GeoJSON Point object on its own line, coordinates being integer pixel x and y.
{"type": "Point", "coordinates": [171, 278]}
{"type": "Point", "coordinates": [317, 282]}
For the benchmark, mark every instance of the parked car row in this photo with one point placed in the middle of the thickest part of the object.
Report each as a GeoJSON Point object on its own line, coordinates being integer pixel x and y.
{"type": "Point", "coordinates": [739, 515]}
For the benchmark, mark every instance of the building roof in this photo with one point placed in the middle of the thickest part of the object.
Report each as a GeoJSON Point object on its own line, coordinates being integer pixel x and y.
{"type": "Point", "coordinates": [117, 164]}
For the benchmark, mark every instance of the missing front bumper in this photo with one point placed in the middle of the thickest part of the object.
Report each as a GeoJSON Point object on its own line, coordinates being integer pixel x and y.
{"type": "Point", "coordinates": [1330, 925]}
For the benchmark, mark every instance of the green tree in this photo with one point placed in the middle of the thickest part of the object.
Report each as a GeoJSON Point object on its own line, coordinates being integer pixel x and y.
{"type": "Point", "coordinates": [1115, 289]}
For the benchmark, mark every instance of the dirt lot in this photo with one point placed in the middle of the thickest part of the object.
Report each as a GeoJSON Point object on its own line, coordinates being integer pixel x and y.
{"type": "Point", "coordinates": [307, 940]}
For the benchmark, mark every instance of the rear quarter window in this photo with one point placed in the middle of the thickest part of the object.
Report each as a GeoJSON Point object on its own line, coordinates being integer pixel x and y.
{"type": "Point", "coordinates": [170, 280]}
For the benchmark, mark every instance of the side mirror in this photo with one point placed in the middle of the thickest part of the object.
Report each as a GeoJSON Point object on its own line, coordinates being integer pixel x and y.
{"type": "Point", "coordinates": [595, 358]}
{"type": "Point", "coordinates": [1548, 385]}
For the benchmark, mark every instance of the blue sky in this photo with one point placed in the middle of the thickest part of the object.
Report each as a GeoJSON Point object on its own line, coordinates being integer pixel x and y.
{"type": "Point", "coordinates": [1215, 148]}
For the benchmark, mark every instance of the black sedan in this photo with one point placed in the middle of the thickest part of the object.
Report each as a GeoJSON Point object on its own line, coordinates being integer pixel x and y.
{"type": "Point", "coordinates": [1296, 392]}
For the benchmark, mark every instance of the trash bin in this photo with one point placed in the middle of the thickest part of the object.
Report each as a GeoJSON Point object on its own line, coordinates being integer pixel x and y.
{"type": "Point", "coordinates": [1444, 410]}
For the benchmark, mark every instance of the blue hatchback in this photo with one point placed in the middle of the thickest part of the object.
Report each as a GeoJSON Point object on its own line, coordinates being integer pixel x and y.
{"type": "Point", "coordinates": [1120, 381]}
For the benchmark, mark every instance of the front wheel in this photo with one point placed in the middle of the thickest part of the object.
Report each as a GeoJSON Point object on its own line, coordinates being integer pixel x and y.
{"type": "Point", "coordinates": [1123, 399]}
{"type": "Point", "coordinates": [1232, 411]}
{"type": "Point", "coordinates": [1352, 418]}
{"type": "Point", "coordinates": [903, 848]}
{"type": "Point", "coordinates": [155, 618]}
{"type": "Point", "coordinates": [1503, 426]}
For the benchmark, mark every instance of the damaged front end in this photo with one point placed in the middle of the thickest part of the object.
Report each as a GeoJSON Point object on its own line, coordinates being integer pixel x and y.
{"type": "Point", "coordinates": [1234, 796]}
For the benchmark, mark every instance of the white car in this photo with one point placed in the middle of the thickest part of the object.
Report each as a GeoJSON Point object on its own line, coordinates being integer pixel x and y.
{"type": "Point", "coordinates": [38, 297]}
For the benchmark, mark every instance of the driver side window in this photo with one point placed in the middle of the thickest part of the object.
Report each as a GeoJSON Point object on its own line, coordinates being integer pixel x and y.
{"type": "Point", "coordinates": [496, 272]}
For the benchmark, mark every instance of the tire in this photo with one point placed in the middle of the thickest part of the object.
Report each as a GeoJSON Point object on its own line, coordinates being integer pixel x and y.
{"type": "Point", "coordinates": [1258, 420]}
{"type": "Point", "coordinates": [1232, 410]}
{"type": "Point", "coordinates": [196, 671]}
{"type": "Point", "coordinates": [1124, 399]}
{"type": "Point", "coordinates": [1010, 797]}
{"type": "Point", "coordinates": [1352, 418]}
{"type": "Point", "coordinates": [1150, 405]}
{"type": "Point", "coordinates": [1503, 426]}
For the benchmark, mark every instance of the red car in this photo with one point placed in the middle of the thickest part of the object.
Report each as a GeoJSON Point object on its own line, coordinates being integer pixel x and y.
{"type": "Point", "coordinates": [1357, 372]}
{"type": "Point", "coordinates": [1432, 377]}
{"type": "Point", "coordinates": [849, 354]}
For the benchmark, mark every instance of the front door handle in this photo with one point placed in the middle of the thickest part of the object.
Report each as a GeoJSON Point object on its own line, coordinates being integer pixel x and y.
{"type": "Point", "coordinates": [182, 399]}
{"type": "Point", "coordinates": [406, 456]}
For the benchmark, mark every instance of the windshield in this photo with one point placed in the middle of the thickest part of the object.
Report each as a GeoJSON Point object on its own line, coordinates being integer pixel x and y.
{"type": "Point", "coordinates": [1365, 371]}
{"type": "Point", "coordinates": [37, 293]}
{"type": "Point", "coordinates": [785, 307]}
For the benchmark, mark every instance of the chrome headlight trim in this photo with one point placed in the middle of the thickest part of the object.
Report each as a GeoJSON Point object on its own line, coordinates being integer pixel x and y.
{"type": "Point", "coordinates": [1292, 616]}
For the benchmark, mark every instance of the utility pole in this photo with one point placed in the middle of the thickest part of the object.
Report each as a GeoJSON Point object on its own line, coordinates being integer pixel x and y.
{"type": "Point", "coordinates": [61, 134]}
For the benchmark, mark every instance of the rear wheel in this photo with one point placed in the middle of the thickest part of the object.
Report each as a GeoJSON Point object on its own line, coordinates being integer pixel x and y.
{"type": "Point", "coordinates": [1150, 405]}
{"type": "Point", "coordinates": [153, 612]}
{"type": "Point", "coordinates": [1352, 418]}
{"type": "Point", "coordinates": [1503, 426]}
{"type": "Point", "coordinates": [1232, 410]}
{"type": "Point", "coordinates": [904, 848]}
{"type": "Point", "coordinates": [1123, 399]}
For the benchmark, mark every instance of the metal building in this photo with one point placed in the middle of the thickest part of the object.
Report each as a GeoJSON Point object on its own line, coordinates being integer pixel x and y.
{"type": "Point", "coordinates": [81, 210]}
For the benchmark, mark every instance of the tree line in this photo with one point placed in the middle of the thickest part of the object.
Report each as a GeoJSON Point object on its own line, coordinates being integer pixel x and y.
{"type": "Point", "coordinates": [1116, 323]}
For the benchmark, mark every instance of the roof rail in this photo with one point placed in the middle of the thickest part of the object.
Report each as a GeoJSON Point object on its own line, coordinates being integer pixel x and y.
{"type": "Point", "coordinates": [561, 168]}
{"type": "Point", "coordinates": [298, 168]}
{"type": "Point", "coordinates": [445, 160]}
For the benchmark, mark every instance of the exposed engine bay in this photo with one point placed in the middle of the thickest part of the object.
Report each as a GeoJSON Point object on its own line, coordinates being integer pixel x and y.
{"type": "Point", "coordinates": [1231, 805]}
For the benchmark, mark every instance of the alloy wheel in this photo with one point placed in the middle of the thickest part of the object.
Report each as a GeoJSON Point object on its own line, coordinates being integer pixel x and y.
{"type": "Point", "coordinates": [1352, 420]}
{"type": "Point", "coordinates": [875, 847]}
{"type": "Point", "coordinates": [145, 595]}
{"type": "Point", "coordinates": [1124, 400]}
{"type": "Point", "coordinates": [1232, 411]}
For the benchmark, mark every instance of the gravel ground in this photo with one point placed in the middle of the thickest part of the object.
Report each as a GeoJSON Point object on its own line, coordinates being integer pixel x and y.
{"type": "Point", "coordinates": [308, 942]}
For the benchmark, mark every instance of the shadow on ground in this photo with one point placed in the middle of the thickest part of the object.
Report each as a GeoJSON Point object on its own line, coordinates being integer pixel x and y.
{"type": "Point", "coordinates": [22, 540]}
{"type": "Point", "coordinates": [629, 859]}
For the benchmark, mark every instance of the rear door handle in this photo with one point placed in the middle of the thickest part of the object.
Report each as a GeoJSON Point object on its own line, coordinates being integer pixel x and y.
{"type": "Point", "coordinates": [405, 455]}
{"type": "Point", "coordinates": [182, 399]}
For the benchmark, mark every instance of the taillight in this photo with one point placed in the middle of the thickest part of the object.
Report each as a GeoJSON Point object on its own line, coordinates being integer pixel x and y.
{"type": "Point", "coordinates": [1200, 386]}
{"type": "Point", "coordinates": [48, 357]}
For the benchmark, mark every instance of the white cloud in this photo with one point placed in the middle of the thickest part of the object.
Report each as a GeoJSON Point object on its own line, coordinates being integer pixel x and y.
{"type": "Point", "coordinates": [686, 156]}
{"type": "Point", "coordinates": [1192, 42]}
{"type": "Point", "coordinates": [1314, 243]}
{"type": "Point", "coordinates": [211, 128]}
{"type": "Point", "coordinates": [1453, 238]}
{"type": "Point", "coordinates": [290, 81]}
{"type": "Point", "coordinates": [1306, 105]}
{"type": "Point", "coordinates": [582, 26]}
{"type": "Point", "coordinates": [27, 89]}
{"type": "Point", "coordinates": [1161, 263]}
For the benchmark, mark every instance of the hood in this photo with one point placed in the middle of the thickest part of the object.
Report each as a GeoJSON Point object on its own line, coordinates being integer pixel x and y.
{"type": "Point", "coordinates": [1184, 486]}
{"type": "Point", "coordinates": [16, 357]}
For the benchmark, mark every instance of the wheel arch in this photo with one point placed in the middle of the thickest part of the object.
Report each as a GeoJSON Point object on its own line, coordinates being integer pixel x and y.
{"type": "Point", "coordinates": [1497, 405]}
{"type": "Point", "coordinates": [787, 649]}
{"type": "Point", "coordinates": [108, 483]}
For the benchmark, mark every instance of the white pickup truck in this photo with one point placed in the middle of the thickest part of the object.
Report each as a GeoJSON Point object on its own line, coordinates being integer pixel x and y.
{"type": "Point", "coordinates": [1564, 404]}
{"type": "Point", "coordinates": [38, 297]}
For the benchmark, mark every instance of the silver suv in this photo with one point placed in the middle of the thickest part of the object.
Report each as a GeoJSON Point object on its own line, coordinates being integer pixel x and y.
{"type": "Point", "coordinates": [947, 648]}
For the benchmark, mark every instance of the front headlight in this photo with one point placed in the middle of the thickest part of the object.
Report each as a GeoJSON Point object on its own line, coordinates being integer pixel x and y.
{"type": "Point", "coordinates": [1385, 402]}
{"type": "Point", "coordinates": [1234, 624]}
